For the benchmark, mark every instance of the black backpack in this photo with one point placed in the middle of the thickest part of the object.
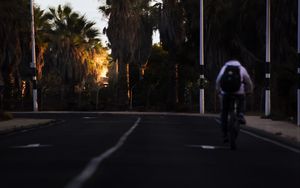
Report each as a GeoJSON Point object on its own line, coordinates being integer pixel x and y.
{"type": "Point", "coordinates": [231, 79]}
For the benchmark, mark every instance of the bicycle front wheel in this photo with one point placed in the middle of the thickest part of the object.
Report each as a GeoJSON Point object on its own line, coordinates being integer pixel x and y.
{"type": "Point", "coordinates": [233, 131]}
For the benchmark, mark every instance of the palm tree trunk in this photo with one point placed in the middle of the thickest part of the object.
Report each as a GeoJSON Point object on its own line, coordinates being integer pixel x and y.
{"type": "Point", "coordinates": [122, 88]}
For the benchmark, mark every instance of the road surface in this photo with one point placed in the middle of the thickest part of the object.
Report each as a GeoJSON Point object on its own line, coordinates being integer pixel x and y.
{"type": "Point", "coordinates": [140, 151]}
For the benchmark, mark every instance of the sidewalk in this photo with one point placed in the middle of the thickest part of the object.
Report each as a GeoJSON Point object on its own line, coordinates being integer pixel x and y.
{"type": "Point", "coordinates": [18, 124]}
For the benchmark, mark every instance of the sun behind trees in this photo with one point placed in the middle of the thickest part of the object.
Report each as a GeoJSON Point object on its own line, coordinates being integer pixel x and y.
{"type": "Point", "coordinates": [71, 61]}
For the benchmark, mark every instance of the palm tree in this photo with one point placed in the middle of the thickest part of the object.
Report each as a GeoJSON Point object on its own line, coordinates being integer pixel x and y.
{"type": "Point", "coordinates": [72, 41]}
{"type": "Point", "coordinates": [43, 28]}
{"type": "Point", "coordinates": [71, 36]}
{"type": "Point", "coordinates": [228, 25]}
{"type": "Point", "coordinates": [130, 34]}
{"type": "Point", "coordinates": [172, 36]}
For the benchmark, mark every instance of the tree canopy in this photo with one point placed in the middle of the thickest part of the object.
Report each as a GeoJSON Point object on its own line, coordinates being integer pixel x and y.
{"type": "Point", "coordinates": [165, 76]}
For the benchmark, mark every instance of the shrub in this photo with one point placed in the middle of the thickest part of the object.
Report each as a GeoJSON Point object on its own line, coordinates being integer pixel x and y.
{"type": "Point", "coordinates": [5, 116]}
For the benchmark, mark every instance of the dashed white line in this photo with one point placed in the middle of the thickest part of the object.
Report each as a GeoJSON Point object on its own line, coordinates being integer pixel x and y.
{"type": "Point", "coordinates": [88, 117]}
{"type": "Point", "coordinates": [208, 147]}
{"type": "Point", "coordinates": [92, 166]}
{"type": "Point", "coordinates": [31, 146]}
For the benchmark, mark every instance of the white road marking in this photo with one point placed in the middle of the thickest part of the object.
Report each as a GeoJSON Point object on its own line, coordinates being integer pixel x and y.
{"type": "Point", "coordinates": [272, 141]}
{"type": "Point", "coordinates": [31, 146]}
{"type": "Point", "coordinates": [218, 121]}
{"type": "Point", "coordinates": [89, 117]}
{"type": "Point", "coordinates": [91, 167]}
{"type": "Point", "coordinates": [208, 147]}
{"type": "Point", "coordinates": [267, 139]}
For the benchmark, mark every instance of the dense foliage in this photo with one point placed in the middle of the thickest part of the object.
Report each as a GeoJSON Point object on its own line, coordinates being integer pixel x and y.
{"type": "Point", "coordinates": [160, 77]}
{"type": "Point", "coordinates": [70, 61]}
{"type": "Point", "coordinates": [231, 27]}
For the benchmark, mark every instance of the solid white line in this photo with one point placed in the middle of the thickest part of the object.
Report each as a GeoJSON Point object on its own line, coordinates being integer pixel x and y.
{"type": "Point", "coordinates": [272, 141]}
{"type": "Point", "coordinates": [91, 168]}
{"type": "Point", "coordinates": [267, 139]}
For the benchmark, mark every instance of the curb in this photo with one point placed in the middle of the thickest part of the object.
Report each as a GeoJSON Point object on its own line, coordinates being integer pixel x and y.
{"type": "Point", "coordinates": [16, 129]}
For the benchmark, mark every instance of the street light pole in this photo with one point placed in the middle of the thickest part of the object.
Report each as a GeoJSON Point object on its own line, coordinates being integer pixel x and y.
{"type": "Point", "coordinates": [33, 63]}
{"type": "Point", "coordinates": [268, 60]}
{"type": "Point", "coordinates": [201, 95]}
{"type": "Point", "coordinates": [298, 69]}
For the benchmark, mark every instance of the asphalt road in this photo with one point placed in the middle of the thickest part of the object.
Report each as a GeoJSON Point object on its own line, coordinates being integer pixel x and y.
{"type": "Point", "coordinates": [140, 151]}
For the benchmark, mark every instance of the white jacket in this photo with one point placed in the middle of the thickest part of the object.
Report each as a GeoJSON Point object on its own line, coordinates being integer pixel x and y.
{"type": "Point", "coordinates": [246, 86]}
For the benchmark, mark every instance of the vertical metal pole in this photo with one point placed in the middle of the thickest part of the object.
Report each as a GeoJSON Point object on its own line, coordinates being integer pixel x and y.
{"type": "Point", "coordinates": [177, 83]}
{"type": "Point", "coordinates": [33, 63]}
{"type": "Point", "coordinates": [298, 69]}
{"type": "Point", "coordinates": [201, 97]}
{"type": "Point", "coordinates": [268, 60]}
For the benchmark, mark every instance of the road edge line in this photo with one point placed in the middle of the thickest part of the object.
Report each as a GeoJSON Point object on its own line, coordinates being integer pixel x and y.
{"type": "Point", "coordinates": [271, 141]}
{"type": "Point", "coordinates": [275, 142]}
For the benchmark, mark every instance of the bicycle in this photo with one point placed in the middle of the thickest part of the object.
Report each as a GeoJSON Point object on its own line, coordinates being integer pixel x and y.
{"type": "Point", "coordinates": [233, 122]}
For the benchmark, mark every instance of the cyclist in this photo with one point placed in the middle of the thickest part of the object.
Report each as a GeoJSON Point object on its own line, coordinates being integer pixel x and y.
{"type": "Point", "coordinates": [245, 86]}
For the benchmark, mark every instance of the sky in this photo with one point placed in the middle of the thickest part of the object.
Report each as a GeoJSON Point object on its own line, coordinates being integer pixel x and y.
{"type": "Point", "coordinates": [87, 7]}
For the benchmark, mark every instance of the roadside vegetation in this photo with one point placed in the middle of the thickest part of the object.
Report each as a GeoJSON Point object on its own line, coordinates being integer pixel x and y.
{"type": "Point", "coordinates": [72, 62]}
